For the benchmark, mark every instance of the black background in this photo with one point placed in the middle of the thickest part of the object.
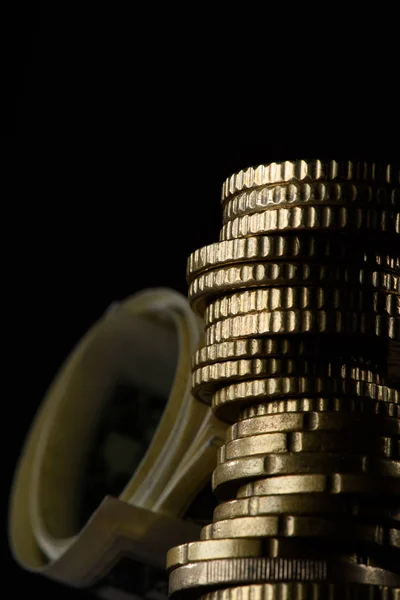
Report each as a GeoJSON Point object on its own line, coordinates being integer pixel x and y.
{"type": "Point", "coordinates": [118, 130]}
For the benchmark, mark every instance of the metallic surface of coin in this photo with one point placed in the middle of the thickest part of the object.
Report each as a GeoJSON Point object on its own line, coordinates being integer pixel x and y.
{"type": "Point", "coordinates": [286, 322]}
{"type": "Point", "coordinates": [348, 349]}
{"type": "Point", "coordinates": [306, 504]}
{"type": "Point", "coordinates": [313, 218]}
{"type": "Point", "coordinates": [301, 298]}
{"type": "Point", "coordinates": [310, 170]}
{"type": "Point", "coordinates": [217, 282]}
{"type": "Point", "coordinates": [313, 421]}
{"type": "Point", "coordinates": [208, 379]}
{"type": "Point", "coordinates": [355, 406]}
{"type": "Point", "coordinates": [305, 591]}
{"type": "Point", "coordinates": [273, 247]}
{"type": "Point", "coordinates": [230, 475]}
{"type": "Point", "coordinates": [334, 483]}
{"type": "Point", "coordinates": [228, 401]}
{"type": "Point", "coordinates": [206, 575]}
{"type": "Point", "coordinates": [309, 441]}
{"type": "Point", "coordinates": [313, 193]}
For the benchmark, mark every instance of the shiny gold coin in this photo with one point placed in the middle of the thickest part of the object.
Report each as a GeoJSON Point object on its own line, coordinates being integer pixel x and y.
{"type": "Point", "coordinates": [241, 548]}
{"type": "Point", "coordinates": [310, 248]}
{"type": "Point", "coordinates": [357, 406]}
{"type": "Point", "coordinates": [357, 442]}
{"type": "Point", "coordinates": [310, 170]}
{"type": "Point", "coordinates": [249, 569]}
{"type": "Point", "coordinates": [301, 298]}
{"type": "Point", "coordinates": [312, 193]}
{"type": "Point", "coordinates": [347, 349]}
{"type": "Point", "coordinates": [314, 421]}
{"type": "Point", "coordinates": [313, 218]}
{"type": "Point", "coordinates": [228, 401]}
{"type": "Point", "coordinates": [208, 379]}
{"type": "Point", "coordinates": [312, 528]}
{"type": "Point", "coordinates": [205, 576]}
{"type": "Point", "coordinates": [304, 322]}
{"type": "Point", "coordinates": [212, 549]}
{"type": "Point", "coordinates": [305, 591]}
{"type": "Point", "coordinates": [300, 526]}
{"type": "Point", "coordinates": [230, 475]}
{"type": "Point", "coordinates": [320, 504]}
{"type": "Point", "coordinates": [211, 284]}
{"type": "Point", "coordinates": [334, 483]}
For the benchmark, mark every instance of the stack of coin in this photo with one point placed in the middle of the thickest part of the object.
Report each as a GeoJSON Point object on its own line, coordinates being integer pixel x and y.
{"type": "Point", "coordinates": [301, 301]}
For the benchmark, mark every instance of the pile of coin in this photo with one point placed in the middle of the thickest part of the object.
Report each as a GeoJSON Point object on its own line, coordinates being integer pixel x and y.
{"type": "Point", "coordinates": [301, 301]}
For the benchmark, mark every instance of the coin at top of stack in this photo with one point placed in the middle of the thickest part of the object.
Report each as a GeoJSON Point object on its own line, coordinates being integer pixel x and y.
{"type": "Point", "coordinates": [311, 170]}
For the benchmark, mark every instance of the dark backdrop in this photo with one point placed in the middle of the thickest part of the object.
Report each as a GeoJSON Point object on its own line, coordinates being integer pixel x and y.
{"type": "Point", "coordinates": [118, 132]}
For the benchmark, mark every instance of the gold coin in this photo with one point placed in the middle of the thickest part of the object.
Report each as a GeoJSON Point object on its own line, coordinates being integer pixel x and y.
{"type": "Point", "coordinates": [230, 475]}
{"type": "Point", "coordinates": [208, 379]}
{"type": "Point", "coordinates": [314, 192]}
{"type": "Point", "coordinates": [211, 284]}
{"type": "Point", "coordinates": [228, 401]}
{"type": "Point", "coordinates": [212, 549]}
{"type": "Point", "coordinates": [305, 591]}
{"type": "Point", "coordinates": [314, 421]}
{"type": "Point", "coordinates": [206, 575]}
{"type": "Point", "coordinates": [357, 442]}
{"type": "Point", "coordinates": [358, 406]}
{"type": "Point", "coordinates": [287, 247]}
{"type": "Point", "coordinates": [240, 548]}
{"type": "Point", "coordinates": [304, 322]}
{"type": "Point", "coordinates": [300, 526]}
{"type": "Point", "coordinates": [350, 350]}
{"type": "Point", "coordinates": [334, 483]}
{"type": "Point", "coordinates": [301, 298]}
{"type": "Point", "coordinates": [313, 218]}
{"type": "Point", "coordinates": [310, 170]}
{"type": "Point", "coordinates": [305, 504]}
